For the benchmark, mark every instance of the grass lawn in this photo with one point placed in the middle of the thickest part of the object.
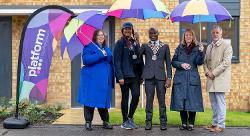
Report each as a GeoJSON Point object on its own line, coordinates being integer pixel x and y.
{"type": "Point", "coordinates": [202, 118]}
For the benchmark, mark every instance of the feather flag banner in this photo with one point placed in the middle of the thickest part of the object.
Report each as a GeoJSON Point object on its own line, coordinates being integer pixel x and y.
{"type": "Point", "coordinates": [39, 38]}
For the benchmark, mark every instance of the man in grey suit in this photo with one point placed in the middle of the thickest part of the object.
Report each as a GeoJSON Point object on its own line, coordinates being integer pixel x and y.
{"type": "Point", "coordinates": [156, 76]}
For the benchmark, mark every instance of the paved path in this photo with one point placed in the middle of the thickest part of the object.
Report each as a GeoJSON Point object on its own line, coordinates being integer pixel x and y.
{"type": "Point", "coordinates": [75, 116]}
{"type": "Point", "coordinates": [77, 130]}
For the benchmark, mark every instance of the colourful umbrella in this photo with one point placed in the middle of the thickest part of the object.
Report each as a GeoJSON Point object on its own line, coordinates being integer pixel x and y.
{"type": "Point", "coordinates": [197, 11]}
{"type": "Point", "coordinates": [142, 9]}
{"type": "Point", "coordinates": [69, 38]}
{"type": "Point", "coordinates": [86, 31]}
{"type": "Point", "coordinates": [79, 31]}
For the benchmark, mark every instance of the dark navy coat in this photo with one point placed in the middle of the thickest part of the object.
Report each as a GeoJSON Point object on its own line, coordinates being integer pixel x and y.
{"type": "Point", "coordinates": [187, 83]}
{"type": "Point", "coordinates": [97, 78]}
{"type": "Point", "coordinates": [125, 66]}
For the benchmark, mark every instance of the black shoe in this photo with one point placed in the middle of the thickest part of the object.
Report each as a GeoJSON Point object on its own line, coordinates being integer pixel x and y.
{"type": "Point", "coordinates": [148, 125]}
{"type": "Point", "coordinates": [190, 127]}
{"type": "Point", "coordinates": [183, 127]}
{"type": "Point", "coordinates": [106, 125]}
{"type": "Point", "coordinates": [163, 126]}
{"type": "Point", "coordinates": [88, 126]}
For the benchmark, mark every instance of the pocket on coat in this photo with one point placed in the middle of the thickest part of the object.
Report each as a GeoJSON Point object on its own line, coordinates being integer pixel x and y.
{"type": "Point", "coordinates": [194, 79]}
{"type": "Point", "coordinates": [178, 78]}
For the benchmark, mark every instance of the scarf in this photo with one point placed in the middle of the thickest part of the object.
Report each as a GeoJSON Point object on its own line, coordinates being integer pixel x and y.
{"type": "Point", "coordinates": [189, 48]}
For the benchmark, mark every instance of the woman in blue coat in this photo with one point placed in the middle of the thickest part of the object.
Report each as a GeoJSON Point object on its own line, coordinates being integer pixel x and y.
{"type": "Point", "coordinates": [186, 94]}
{"type": "Point", "coordinates": [96, 80]}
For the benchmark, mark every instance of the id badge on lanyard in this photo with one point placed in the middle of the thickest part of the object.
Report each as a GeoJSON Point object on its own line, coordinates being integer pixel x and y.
{"type": "Point", "coordinates": [134, 56]}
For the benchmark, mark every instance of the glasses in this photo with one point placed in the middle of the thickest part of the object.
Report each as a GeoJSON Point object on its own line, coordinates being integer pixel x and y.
{"type": "Point", "coordinates": [100, 35]}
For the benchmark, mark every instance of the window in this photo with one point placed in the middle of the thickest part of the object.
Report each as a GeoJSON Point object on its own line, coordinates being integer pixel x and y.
{"type": "Point", "coordinates": [230, 33]}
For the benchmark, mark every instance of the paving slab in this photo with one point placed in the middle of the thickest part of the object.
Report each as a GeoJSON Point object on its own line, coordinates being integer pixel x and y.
{"type": "Point", "coordinates": [74, 116]}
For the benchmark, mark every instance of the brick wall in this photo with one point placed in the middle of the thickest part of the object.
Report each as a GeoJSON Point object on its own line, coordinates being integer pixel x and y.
{"type": "Point", "coordinates": [59, 88]}
{"type": "Point", "coordinates": [239, 98]}
{"type": "Point", "coordinates": [17, 26]}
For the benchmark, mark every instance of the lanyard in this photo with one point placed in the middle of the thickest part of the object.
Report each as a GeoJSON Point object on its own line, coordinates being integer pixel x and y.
{"type": "Point", "coordinates": [98, 47]}
{"type": "Point", "coordinates": [102, 50]}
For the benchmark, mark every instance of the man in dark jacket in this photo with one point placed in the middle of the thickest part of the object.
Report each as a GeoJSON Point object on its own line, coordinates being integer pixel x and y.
{"type": "Point", "coordinates": [156, 55]}
{"type": "Point", "coordinates": [128, 69]}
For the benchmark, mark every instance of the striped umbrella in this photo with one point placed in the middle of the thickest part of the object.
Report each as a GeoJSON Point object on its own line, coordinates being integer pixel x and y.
{"type": "Point", "coordinates": [141, 9]}
{"type": "Point", "coordinates": [197, 11]}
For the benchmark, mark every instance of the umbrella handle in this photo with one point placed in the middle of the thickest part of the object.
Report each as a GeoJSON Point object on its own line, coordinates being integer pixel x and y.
{"type": "Point", "coordinates": [200, 32]}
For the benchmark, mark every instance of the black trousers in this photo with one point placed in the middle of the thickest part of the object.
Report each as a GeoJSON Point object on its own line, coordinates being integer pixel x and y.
{"type": "Point", "coordinates": [134, 86]}
{"type": "Point", "coordinates": [150, 85]}
{"type": "Point", "coordinates": [89, 113]}
{"type": "Point", "coordinates": [187, 116]}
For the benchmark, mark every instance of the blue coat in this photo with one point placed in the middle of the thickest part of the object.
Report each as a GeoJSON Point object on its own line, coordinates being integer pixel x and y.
{"type": "Point", "coordinates": [187, 83]}
{"type": "Point", "coordinates": [97, 78]}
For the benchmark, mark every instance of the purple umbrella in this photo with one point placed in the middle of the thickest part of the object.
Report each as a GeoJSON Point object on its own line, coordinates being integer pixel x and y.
{"type": "Point", "coordinates": [141, 9]}
{"type": "Point", "coordinates": [197, 11]}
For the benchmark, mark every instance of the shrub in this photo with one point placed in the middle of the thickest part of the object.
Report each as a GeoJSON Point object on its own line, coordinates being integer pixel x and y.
{"type": "Point", "coordinates": [4, 105]}
{"type": "Point", "coordinates": [34, 112]}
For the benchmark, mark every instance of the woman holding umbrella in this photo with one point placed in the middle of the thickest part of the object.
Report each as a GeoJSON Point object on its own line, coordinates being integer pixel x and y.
{"type": "Point", "coordinates": [186, 91]}
{"type": "Point", "coordinates": [128, 70]}
{"type": "Point", "coordinates": [96, 80]}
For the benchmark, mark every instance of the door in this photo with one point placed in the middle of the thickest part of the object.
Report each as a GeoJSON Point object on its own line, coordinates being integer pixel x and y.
{"type": "Point", "coordinates": [5, 57]}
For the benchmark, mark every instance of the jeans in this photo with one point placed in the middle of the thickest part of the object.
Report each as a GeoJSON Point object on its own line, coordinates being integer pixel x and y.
{"type": "Point", "coordinates": [218, 104]}
{"type": "Point", "coordinates": [135, 91]}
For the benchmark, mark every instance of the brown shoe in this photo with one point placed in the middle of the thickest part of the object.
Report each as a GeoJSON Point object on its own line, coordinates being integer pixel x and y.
{"type": "Point", "coordinates": [217, 129]}
{"type": "Point", "coordinates": [210, 127]}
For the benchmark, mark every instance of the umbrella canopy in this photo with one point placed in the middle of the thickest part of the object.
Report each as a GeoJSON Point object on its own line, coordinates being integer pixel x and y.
{"type": "Point", "coordinates": [69, 38]}
{"type": "Point", "coordinates": [87, 29]}
{"type": "Point", "coordinates": [79, 31]}
{"type": "Point", "coordinates": [142, 9]}
{"type": "Point", "coordinates": [195, 11]}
